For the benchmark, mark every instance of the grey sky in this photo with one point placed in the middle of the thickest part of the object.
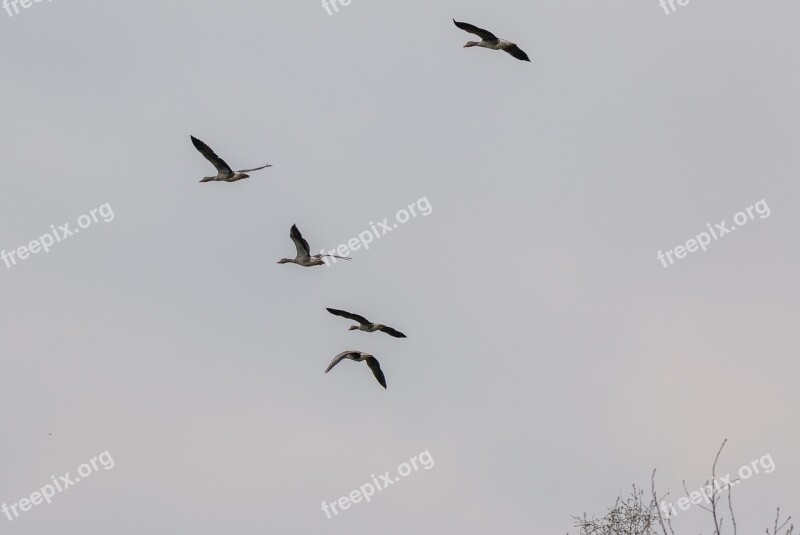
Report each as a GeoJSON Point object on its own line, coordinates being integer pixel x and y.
{"type": "Point", "coordinates": [551, 360]}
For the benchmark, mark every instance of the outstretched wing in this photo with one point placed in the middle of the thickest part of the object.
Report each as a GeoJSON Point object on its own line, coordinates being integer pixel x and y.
{"type": "Point", "coordinates": [339, 358]}
{"type": "Point", "coordinates": [332, 256]}
{"type": "Point", "coordinates": [480, 32]}
{"type": "Point", "coordinates": [375, 366]}
{"type": "Point", "coordinates": [254, 169]}
{"type": "Point", "coordinates": [392, 332]}
{"type": "Point", "coordinates": [517, 52]}
{"type": "Point", "coordinates": [355, 317]}
{"type": "Point", "coordinates": [211, 156]}
{"type": "Point", "coordinates": [303, 251]}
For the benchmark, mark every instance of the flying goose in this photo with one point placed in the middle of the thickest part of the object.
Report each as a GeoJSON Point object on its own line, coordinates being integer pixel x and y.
{"type": "Point", "coordinates": [358, 356]}
{"type": "Point", "coordinates": [366, 325]}
{"type": "Point", "coordinates": [489, 40]}
{"type": "Point", "coordinates": [304, 257]}
{"type": "Point", "coordinates": [224, 172]}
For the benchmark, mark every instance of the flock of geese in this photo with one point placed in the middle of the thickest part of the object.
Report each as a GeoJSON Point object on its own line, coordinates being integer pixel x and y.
{"type": "Point", "coordinates": [304, 257]}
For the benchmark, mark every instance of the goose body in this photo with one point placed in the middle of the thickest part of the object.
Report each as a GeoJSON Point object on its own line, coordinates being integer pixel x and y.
{"type": "Point", "coordinates": [224, 171]}
{"type": "Point", "coordinates": [365, 325]}
{"type": "Point", "coordinates": [360, 356]}
{"type": "Point", "coordinates": [491, 41]}
{"type": "Point", "coordinates": [304, 257]}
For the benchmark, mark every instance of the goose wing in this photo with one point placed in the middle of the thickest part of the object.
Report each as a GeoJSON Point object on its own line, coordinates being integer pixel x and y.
{"type": "Point", "coordinates": [303, 250]}
{"type": "Point", "coordinates": [339, 358]}
{"type": "Point", "coordinates": [375, 366]}
{"type": "Point", "coordinates": [355, 317]}
{"type": "Point", "coordinates": [480, 32]}
{"type": "Point", "coordinates": [211, 156]}
{"type": "Point", "coordinates": [392, 332]}
{"type": "Point", "coordinates": [517, 52]}
{"type": "Point", "coordinates": [254, 169]}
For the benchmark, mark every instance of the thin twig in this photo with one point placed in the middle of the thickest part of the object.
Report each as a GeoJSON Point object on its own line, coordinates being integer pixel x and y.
{"type": "Point", "coordinates": [730, 506]}
{"type": "Point", "coordinates": [687, 495]}
{"type": "Point", "coordinates": [655, 500]}
{"type": "Point", "coordinates": [717, 528]}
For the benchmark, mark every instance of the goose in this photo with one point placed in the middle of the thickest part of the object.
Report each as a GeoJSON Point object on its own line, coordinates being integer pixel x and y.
{"type": "Point", "coordinates": [366, 325]}
{"type": "Point", "coordinates": [489, 40]}
{"type": "Point", "coordinates": [224, 171]}
{"type": "Point", "coordinates": [304, 257]}
{"type": "Point", "coordinates": [359, 356]}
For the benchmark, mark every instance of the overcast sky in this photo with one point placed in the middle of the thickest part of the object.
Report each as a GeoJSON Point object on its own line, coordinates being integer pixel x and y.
{"type": "Point", "coordinates": [551, 360]}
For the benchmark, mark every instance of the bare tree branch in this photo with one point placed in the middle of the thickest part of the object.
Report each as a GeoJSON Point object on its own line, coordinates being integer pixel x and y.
{"type": "Point", "coordinates": [658, 510]}
{"type": "Point", "coordinates": [687, 495]}
{"type": "Point", "coordinates": [714, 500]}
{"type": "Point", "coordinates": [634, 516]}
{"type": "Point", "coordinates": [776, 530]}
